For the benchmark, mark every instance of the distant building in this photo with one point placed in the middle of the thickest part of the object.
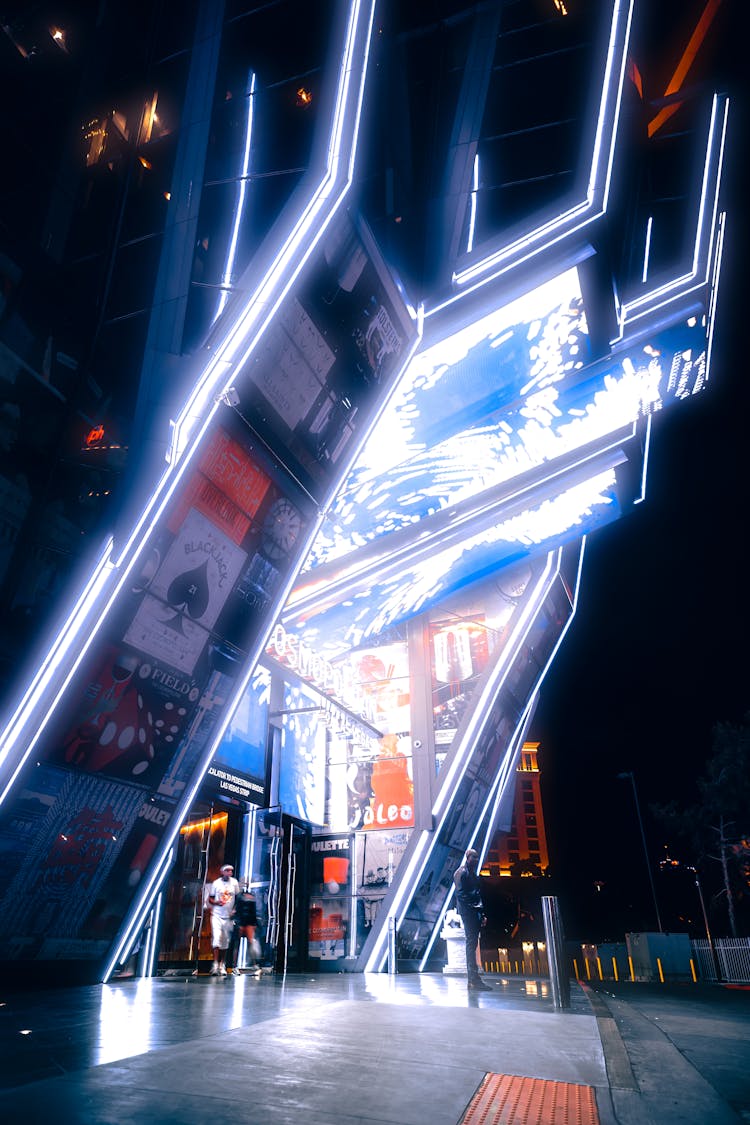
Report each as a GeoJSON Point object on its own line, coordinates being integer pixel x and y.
{"type": "Point", "coordinates": [526, 843]}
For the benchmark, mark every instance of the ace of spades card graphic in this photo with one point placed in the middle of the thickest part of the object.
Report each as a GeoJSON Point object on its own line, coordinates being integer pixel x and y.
{"type": "Point", "coordinates": [187, 594]}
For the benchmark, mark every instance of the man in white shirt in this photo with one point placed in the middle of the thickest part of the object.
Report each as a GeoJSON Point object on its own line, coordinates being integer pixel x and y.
{"type": "Point", "coordinates": [221, 896]}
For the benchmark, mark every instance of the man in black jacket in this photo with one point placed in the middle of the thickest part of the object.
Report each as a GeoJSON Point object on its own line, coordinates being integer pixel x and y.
{"type": "Point", "coordinates": [471, 908]}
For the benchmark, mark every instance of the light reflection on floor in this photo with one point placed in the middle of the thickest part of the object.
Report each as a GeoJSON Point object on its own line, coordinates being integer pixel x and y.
{"type": "Point", "coordinates": [52, 1031]}
{"type": "Point", "coordinates": [125, 1021]}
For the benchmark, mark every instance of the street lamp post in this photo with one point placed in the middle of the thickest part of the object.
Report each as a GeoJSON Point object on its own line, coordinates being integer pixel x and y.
{"type": "Point", "coordinates": [711, 946]}
{"type": "Point", "coordinates": [622, 777]}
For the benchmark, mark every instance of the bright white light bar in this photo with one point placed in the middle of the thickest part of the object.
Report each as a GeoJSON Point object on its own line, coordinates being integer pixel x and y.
{"type": "Point", "coordinates": [644, 469]}
{"type": "Point", "coordinates": [706, 260]}
{"type": "Point", "coordinates": [473, 209]}
{"type": "Point", "coordinates": [593, 206]}
{"type": "Point", "coordinates": [56, 659]}
{"type": "Point", "coordinates": [138, 917]}
{"type": "Point", "coordinates": [239, 209]}
{"type": "Point", "coordinates": [647, 249]}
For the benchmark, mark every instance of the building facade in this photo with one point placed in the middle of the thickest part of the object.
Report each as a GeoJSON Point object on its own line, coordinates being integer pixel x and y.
{"type": "Point", "coordinates": [359, 397]}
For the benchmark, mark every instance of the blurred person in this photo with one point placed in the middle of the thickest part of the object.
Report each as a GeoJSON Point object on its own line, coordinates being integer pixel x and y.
{"type": "Point", "coordinates": [246, 922]}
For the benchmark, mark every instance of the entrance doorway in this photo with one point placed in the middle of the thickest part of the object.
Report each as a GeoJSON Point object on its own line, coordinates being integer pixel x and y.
{"type": "Point", "coordinates": [210, 837]}
{"type": "Point", "coordinates": [280, 878]}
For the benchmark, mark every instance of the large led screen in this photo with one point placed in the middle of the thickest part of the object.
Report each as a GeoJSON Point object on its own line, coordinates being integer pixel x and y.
{"type": "Point", "coordinates": [395, 593]}
{"type": "Point", "coordinates": [302, 758]}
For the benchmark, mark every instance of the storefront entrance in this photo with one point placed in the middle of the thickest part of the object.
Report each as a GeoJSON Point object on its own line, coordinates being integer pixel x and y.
{"type": "Point", "coordinates": [210, 837]}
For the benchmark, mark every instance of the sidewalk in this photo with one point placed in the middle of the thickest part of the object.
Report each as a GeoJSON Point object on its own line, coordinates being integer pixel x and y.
{"type": "Point", "coordinates": [360, 1050]}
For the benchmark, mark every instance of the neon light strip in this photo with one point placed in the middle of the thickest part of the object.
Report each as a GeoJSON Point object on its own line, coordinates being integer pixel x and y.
{"type": "Point", "coordinates": [460, 762]}
{"type": "Point", "coordinates": [260, 307]}
{"type": "Point", "coordinates": [714, 293]}
{"type": "Point", "coordinates": [473, 211]}
{"type": "Point", "coordinates": [32, 698]}
{"type": "Point", "coordinates": [647, 249]}
{"type": "Point", "coordinates": [705, 231]}
{"type": "Point", "coordinates": [495, 794]}
{"type": "Point", "coordinates": [123, 949]}
{"type": "Point", "coordinates": [505, 769]}
{"type": "Point", "coordinates": [644, 469]}
{"type": "Point", "coordinates": [155, 926]}
{"type": "Point", "coordinates": [594, 205]}
{"type": "Point", "coordinates": [372, 965]}
{"type": "Point", "coordinates": [240, 205]}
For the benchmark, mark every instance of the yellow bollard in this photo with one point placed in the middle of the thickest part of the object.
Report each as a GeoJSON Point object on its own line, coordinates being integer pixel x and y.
{"type": "Point", "coordinates": [599, 967]}
{"type": "Point", "coordinates": [575, 968]}
{"type": "Point", "coordinates": [588, 968]}
{"type": "Point", "coordinates": [516, 964]}
{"type": "Point", "coordinates": [614, 968]}
{"type": "Point", "coordinates": [661, 971]}
{"type": "Point", "coordinates": [630, 964]}
{"type": "Point", "coordinates": [692, 970]}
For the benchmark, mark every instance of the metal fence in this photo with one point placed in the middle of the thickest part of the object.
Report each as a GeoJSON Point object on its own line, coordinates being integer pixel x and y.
{"type": "Point", "coordinates": [731, 963]}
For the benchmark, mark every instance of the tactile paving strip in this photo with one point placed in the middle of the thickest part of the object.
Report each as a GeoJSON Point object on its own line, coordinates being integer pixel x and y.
{"type": "Point", "coordinates": [503, 1099]}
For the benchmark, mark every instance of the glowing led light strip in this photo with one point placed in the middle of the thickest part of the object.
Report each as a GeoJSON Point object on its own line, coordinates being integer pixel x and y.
{"type": "Point", "coordinates": [124, 947]}
{"type": "Point", "coordinates": [452, 773]}
{"type": "Point", "coordinates": [240, 206]}
{"type": "Point", "coordinates": [706, 230]}
{"type": "Point", "coordinates": [504, 771]}
{"type": "Point", "coordinates": [151, 961]}
{"type": "Point", "coordinates": [377, 958]}
{"type": "Point", "coordinates": [714, 292]}
{"type": "Point", "coordinates": [647, 249]}
{"type": "Point", "coordinates": [250, 324]}
{"type": "Point", "coordinates": [473, 211]}
{"type": "Point", "coordinates": [30, 701]}
{"type": "Point", "coordinates": [644, 469]}
{"type": "Point", "coordinates": [594, 205]}
{"type": "Point", "coordinates": [494, 796]}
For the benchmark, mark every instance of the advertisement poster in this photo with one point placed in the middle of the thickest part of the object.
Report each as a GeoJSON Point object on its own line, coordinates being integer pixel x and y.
{"type": "Point", "coordinates": [330, 897]}
{"type": "Point", "coordinates": [239, 765]}
{"type": "Point", "coordinates": [322, 368]}
{"type": "Point", "coordinates": [459, 652]}
{"type": "Point", "coordinates": [151, 696]}
{"type": "Point", "coordinates": [378, 855]}
{"type": "Point", "coordinates": [379, 781]}
{"type": "Point", "coordinates": [59, 847]}
{"type": "Point", "coordinates": [303, 755]}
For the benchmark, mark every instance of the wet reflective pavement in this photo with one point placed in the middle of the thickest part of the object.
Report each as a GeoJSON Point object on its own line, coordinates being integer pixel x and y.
{"type": "Point", "coordinates": [334, 1050]}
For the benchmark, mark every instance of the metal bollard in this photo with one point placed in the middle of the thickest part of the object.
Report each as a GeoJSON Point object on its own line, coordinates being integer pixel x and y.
{"type": "Point", "coordinates": [392, 956]}
{"type": "Point", "coordinates": [558, 969]}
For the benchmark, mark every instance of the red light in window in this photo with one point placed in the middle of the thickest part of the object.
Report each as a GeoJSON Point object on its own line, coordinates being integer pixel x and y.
{"type": "Point", "coordinates": [95, 435]}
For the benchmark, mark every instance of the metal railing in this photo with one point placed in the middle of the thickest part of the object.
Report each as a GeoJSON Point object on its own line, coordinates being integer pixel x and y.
{"type": "Point", "coordinates": [732, 956]}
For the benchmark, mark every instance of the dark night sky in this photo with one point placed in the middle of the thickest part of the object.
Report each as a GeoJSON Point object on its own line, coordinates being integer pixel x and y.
{"type": "Point", "coordinates": [658, 650]}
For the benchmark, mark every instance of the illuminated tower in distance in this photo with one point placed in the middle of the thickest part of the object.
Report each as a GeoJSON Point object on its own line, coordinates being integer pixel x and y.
{"type": "Point", "coordinates": [526, 843]}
